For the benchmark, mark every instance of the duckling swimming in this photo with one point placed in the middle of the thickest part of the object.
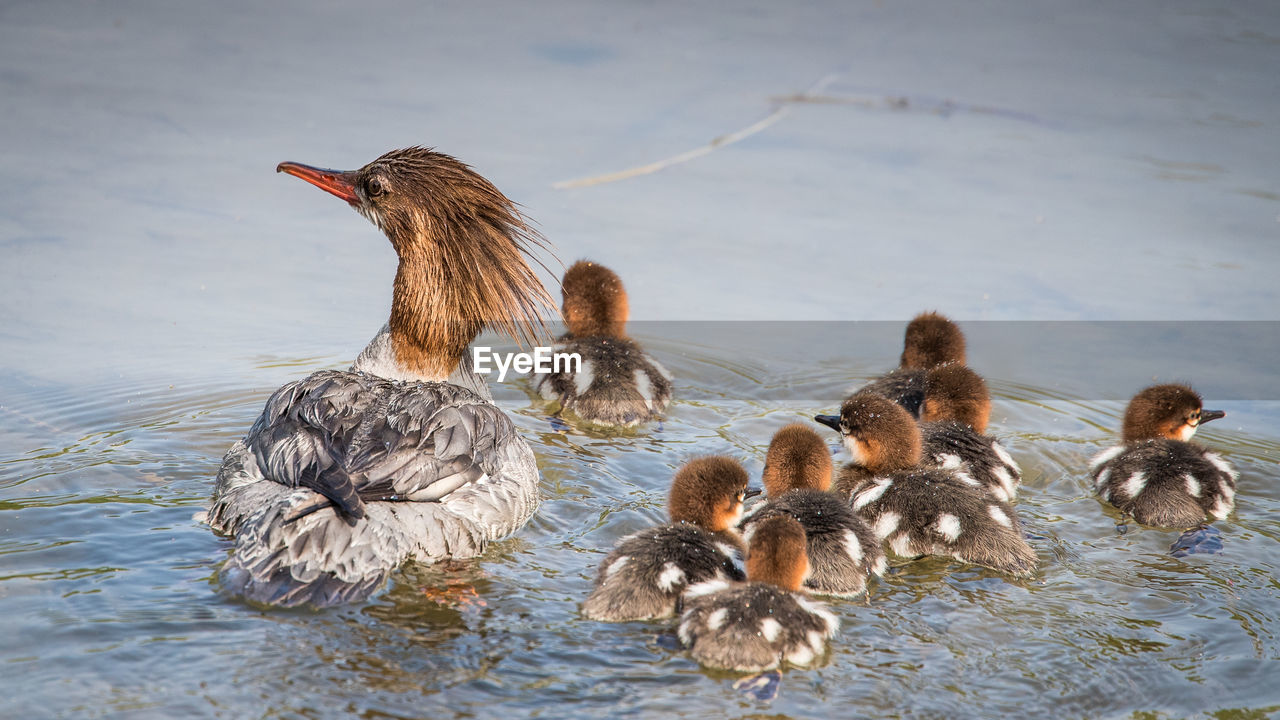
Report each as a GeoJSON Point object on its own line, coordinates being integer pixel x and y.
{"type": "Point", "coordinates": [765, 622]}
{"type": "Point", "coordinates": [644, 576]}
{"type": "Point", "coordinates": [843, 552]}
{"type": "Point", "coordinates": [921, 511]}
{"type": "Point", "coordinates": [931, 340]}
{"type": "Point", "coordinates": [1158, 476]}
{"type": "Point", "coordinates": [954, 419]}
{"type": "Point", "coordinates": [617, 382]}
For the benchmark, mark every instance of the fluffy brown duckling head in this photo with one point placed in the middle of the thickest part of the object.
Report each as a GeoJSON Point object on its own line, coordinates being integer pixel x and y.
{"type": "Point", "coordinates": [797, 458]}
{"type": "Point", "coordinates": [595, 303]}
{"type": "Point", "coordinates": [1166, 411]}
{"type": "Point", "coordinates": [777, 553]}
{"type": "Point", "coordinates": [954, 392]}
{"type": "Point", "coordinates": [880, 435]}
{"type": "Point", "coordinates": [709, 492]}
{"type": "Point", "coordinates": [932, 340]}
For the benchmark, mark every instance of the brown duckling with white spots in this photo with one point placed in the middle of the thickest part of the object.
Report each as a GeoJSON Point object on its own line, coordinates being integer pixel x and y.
{"type": "Point", "coordinates": [931, 340]}
{"type": "Point", "coordinates": [843, 552]}
{"type": "Point", "coordinates": [617, 383]}
{"type": "Point", "coordinates": [765, 622]}
{"type": "Point", "coordinates": [1158, 476]}
{"type": "Point", "coordinates": [645, 574]}
{"type": "Point", "coordinates": [921, 511]}
{"type": "Point", "coordinates": [953, 424]}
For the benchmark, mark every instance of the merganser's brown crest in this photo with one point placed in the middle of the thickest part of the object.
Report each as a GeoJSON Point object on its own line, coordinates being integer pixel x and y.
{"type": "Point", "coordinates": [462, 246]}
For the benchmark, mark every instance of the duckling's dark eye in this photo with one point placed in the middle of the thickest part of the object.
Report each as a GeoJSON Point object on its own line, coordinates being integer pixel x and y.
{"type": "Point", "coordinates": [374, 188]}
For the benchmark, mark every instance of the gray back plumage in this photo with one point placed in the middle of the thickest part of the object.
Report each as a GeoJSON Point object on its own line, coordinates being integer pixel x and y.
{"type": "Point", "coordinates": [345, 475]}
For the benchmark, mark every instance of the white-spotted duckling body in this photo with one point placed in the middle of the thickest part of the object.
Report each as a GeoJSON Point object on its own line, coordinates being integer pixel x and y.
{"type": "Point", "coordinates": [953, 424]}
{"type": "Point", "coordinates": [916, 510]}
{"type": "Point", "coordinates": [346, 475]}
{"type": "Point", "coordinates": [1158, 476]}
{"type": "Point", "coordinates": [646, 573]}
{"type": "Point", "coordinates": [931, 340]}
{"type": "Point", "coordinates": [843, 552]}
{"type": "Point", "coordinates": [765, 622]}
{"type": "Point", "coordinates": [617, 383]}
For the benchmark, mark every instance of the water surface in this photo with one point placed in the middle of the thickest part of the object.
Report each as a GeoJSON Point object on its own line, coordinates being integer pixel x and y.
{"type": "Point", "coordinates": [1074, 187]}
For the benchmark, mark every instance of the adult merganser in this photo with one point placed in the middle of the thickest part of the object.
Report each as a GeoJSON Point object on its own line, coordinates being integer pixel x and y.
{"type": "Point", "coordinates": [954, 419]}
{"type": "Point", "coordinates": [1157, 475]}
{"type": "Point", "coordinates": [617, 383]}
{"type": "Point", "coordinates": [346, 475]}
{"type": "Point", "coordinates": [645, 574]}
{"type": "Point", "coordinates": [930, 341]}
{"type": "Point", "coordinates": [843, 552]}
{"type": "Point", "coordinates": [921, 511]}
{"type": "Point", "coordinates": [759, 625]}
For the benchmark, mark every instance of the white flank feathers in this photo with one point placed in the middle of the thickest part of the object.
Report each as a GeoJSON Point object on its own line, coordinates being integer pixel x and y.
{"type": "Point", "coordinates": [1135, 484]}
{"type": "Point", "coordinates": [886, 524]}
{"type": "Point", "coordinates": [999, 516]}
{"type": "Point", "coordinates": [1193, 485]}
{"type": "Point", "coordinates": [872, 494]}
{"type": "Point", "coordinates": [948, 526]}
{"type": "Point", "coordinates": [770, 629]}
{"type": "Point", "coordinates": [852, 546]}
{"type": "Point", "coordinates": [1106, 456]}
{"type": "Point", "coordinates": [672, 576]}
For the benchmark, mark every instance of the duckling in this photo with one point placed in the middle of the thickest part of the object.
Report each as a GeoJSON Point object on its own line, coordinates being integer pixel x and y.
{"type": "Point", "coordinates": [617, 383]}
{"type": "Point", "coordinates": [842, 550]}
{"type": "Point", "coordinates": [643, 577]}
{"type": "Point", "coordinates": [930, 340]}
{"type": "Point", "coordinates": [758, 625]}
{"type": "Point", "coordinates": [1158, 476]}
{"type": "Point", "coordinates": [921, 511]}
{"type": "Point", "coordinates": [954, 419]}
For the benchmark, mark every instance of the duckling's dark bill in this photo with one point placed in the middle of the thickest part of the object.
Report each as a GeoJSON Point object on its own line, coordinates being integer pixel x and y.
{"type": "Point", "coordinates": [831, 421]}
{"type": "Point", "coordinates": [1207, 415]}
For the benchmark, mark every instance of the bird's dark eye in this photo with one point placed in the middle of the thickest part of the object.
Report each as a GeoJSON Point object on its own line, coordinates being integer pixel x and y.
{"type": "Point", "coordinates": [374, 188]}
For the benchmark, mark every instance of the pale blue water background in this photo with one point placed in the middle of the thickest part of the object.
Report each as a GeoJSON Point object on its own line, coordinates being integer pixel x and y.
{"type": "Point", "coordinates": [1004, 162]}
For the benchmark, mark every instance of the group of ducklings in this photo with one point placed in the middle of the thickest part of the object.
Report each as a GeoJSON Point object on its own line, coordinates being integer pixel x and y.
{"type": "Point", "coordinates": [923, 479]}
